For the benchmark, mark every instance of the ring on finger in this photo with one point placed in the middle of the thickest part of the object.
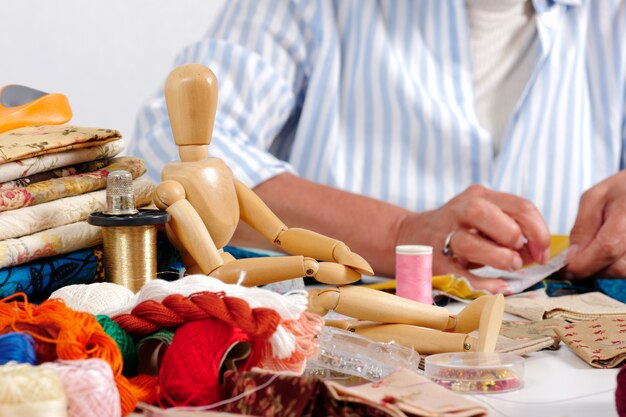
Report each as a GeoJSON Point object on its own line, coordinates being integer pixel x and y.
{"type": "Point", "coordinates": [447, 250]}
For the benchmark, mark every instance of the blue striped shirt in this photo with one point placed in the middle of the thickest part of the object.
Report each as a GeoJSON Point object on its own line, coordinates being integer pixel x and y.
{"type": "Point", "coordinates": [376, 97]}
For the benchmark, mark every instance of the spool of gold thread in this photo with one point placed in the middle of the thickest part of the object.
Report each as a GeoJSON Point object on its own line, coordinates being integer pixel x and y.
{"type": "Point", "coordinates": [128, 234]}
{"type": "Point", "coordinates": [131, 258]}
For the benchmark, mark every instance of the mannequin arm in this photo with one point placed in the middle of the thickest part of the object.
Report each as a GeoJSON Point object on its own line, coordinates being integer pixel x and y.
{"type": "Point", "coordinates": [187, 226]}
{"type": "Point", "coordinates": [257, 214]}
{"type": "Point", "coordinates": [368, 226]}
{"type": "Point", "coordinates": [294, 241]}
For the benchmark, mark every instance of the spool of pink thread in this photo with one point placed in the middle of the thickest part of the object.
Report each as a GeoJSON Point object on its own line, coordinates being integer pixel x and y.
{"type": "Point", "coordinates": [414, 272]}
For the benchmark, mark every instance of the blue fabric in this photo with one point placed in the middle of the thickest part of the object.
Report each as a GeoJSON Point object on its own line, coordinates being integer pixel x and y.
{"type": "Point", "coordinates": [38, 279]}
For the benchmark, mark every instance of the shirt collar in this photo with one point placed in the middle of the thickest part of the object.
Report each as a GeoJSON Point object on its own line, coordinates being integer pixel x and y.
{"type": "Point", "coordinates": [543, 5]}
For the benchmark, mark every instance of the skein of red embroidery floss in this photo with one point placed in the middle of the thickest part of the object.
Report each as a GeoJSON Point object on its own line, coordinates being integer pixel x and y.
{"type": "Point", "coordinates": [620, 393]}
{"type": "Point", "coordinates": [190, 371]}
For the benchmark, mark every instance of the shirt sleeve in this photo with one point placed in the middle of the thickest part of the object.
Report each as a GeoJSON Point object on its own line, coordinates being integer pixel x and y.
{"type": "Point", "coordinates": [261, 53]}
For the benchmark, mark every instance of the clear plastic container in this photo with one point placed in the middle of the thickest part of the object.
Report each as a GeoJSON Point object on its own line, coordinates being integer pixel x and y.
{"type": "Point", "coordinates": [476, 372]}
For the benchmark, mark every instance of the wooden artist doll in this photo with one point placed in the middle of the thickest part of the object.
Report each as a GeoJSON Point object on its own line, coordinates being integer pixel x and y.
{"type": "Point", "coordinates": [206, 203]}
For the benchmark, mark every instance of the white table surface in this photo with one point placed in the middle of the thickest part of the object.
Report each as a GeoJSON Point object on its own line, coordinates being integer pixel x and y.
{"type": "Point", "coordinates": [556, 384]}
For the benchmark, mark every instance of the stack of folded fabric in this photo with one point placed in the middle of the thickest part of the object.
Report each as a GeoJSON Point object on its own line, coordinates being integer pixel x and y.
{"type": "Point", "coordinates": [51, 179]}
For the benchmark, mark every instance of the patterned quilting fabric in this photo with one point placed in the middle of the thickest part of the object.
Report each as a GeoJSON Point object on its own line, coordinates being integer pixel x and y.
{"type": "Point", "coordinates": [23, 168]}
{"type": "Point", "coordinates": [31, 141]}
{"type": "Point", "coordinates": [29, 220]}
{"type": "Point", "coordinates": [73, 185]}
{"type": "Point", "coordinates": [38, 279]}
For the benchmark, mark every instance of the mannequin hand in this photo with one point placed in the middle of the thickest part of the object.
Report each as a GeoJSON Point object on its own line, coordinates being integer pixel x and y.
{"type": "Point", "coordinates": [345, 256]}
{"type": "Point", "coordinates": [491, 228]}
{"type": "Point", "coordinates": [597, 238]}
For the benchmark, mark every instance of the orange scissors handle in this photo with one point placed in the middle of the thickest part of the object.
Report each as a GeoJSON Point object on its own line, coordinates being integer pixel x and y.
{"type": "Point", "coordinates": [22, 106]}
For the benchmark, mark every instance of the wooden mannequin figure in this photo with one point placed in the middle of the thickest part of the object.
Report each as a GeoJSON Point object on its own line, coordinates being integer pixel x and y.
{"type": "Point", "coordinates": [426, 328]}
{"type": "Point", "coordinates": [206, 203]}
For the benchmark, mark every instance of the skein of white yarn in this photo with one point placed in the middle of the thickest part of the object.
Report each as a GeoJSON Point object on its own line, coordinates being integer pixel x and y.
{"type": "Point", "coordinates": [31, 391]}
{"type": "Point", "coordinates": [89, 386]}
{"type": "Point", "coordinates": [94, 298]}
{"type": "Point", "coordinates": [289, 305]}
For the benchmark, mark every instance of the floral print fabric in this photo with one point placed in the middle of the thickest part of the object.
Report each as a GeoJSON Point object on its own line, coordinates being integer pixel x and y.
{"type": "Point", "coordinates": [55, 173]}
{"type": "Point", "coordinates": [10, 171]}
{"type": "Point", "coordinates": [53, 189]}
{"type": "Point", "coordinates": [31, 141]}
{"type": "Point", "coordinates": [59, 240]}
{"type": "Point", "coordinates": [29, 220]}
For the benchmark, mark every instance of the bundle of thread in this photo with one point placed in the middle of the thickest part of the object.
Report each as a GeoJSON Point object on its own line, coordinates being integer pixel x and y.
{"type": "Point", "coordinates": [620, 393]}
{"type": "Point", "coordinates": [291, 344]}
{"type": "Point", "coordinates": [31, 391]}
{"type": "Point", "coordinates": [61, 333]}
{"type": "Point", "coordinates": [208, 325]}
{"type": "Point", "coordinates": [124, 342]}
{"type": "Point", "coordinates": [17, 347]}
{"type": "Point", "coordinates": [94, 298]}
{"type": "Point", "coordinates": [199, 353]}
{"type": "Point", "coordinates": [209, 318]}
{"type": "Point", "coordinates": [89, 387]}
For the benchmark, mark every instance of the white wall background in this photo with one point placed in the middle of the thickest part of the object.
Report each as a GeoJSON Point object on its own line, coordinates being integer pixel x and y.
{"type": "Point", "coordinates": [107, 56]}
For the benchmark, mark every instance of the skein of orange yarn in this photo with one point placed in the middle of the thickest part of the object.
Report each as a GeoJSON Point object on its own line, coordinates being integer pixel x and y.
{"type": "Point", "coordinates": [62, 333]}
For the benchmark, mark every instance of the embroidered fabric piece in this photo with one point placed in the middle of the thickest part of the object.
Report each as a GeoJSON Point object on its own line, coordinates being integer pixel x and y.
{"type": "Point", "coordinates": [538, 306]}
{"type": "Point", "coordinates": [525, 331]}
{"type": "Point", "coordinates": [601, 342]}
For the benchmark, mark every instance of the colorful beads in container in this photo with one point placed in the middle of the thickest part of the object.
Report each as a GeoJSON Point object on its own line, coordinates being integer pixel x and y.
{"type": "Point", "coordinates": [476, 372]}
{"type": "Point", "coordinates": [31, 391]}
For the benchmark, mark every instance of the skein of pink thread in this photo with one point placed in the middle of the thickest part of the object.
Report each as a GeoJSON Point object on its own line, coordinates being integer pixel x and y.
{"type": "Point", "coordinates": [89, 386]}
